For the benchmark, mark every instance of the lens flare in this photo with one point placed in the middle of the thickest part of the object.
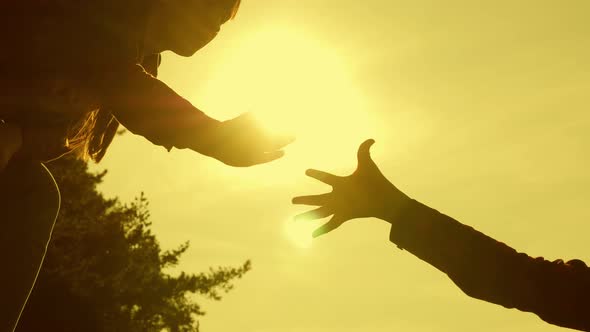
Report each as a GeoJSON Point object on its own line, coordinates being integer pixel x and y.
{"type": "Point", "coordinates": [299, 233]}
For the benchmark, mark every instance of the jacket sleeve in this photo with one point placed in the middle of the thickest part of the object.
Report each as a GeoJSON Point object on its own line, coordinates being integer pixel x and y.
{"type": "Point", "coordinates": [148, 107]}
{"type": "Point", "coordinates": [489, 270]}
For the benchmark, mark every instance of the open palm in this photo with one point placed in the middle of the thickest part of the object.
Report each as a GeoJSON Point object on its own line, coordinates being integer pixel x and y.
{"type": "Point", "coordinates": [364, 193]}
{"type": "Point", "coordinates": [242, 142]}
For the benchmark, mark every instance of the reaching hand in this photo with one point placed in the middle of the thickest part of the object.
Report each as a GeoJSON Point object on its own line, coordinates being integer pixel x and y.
{"type": "Point", "coordinates": [241, 142]}
{"type": "Point", "coordinates": [364, 193]}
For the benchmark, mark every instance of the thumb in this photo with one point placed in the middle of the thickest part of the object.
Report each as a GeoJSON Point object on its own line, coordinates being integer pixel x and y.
{"type": "Point", "coordinates": [364, 153]}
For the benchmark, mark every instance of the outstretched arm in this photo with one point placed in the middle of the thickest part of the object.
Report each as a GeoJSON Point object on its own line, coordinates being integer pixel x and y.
{"type": "Point", "coordinates": [148, 107]}
{"type": "Point", "coordinates": [482, 267]}
{"type": "Point", "coordinates": [489, 270]}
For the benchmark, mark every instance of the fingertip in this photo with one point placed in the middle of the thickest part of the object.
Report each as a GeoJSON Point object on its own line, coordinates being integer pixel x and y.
{"type": "Point", "coordinates": [275, 155]}
{"type": "Point", "coordinates": [268, 157]}
{"type": "Point", "coordinates": [302, 217]}
{"type": "Point", "coordinates": [296, 200]}
{"type": "Point", "coordinates": [368, 143]}
{"type": "Point", "coordinates": [279, 142]}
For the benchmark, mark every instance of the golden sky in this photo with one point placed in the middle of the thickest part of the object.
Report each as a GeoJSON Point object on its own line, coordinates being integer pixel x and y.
{"type": "Point", "coordinates": [479, 109]}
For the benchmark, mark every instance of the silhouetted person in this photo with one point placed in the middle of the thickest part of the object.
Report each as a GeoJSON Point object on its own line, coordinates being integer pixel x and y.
{"type": "Point", "coordinates": [73, 70]}
{"type": "Point", "coordinates": [70, 72]}
{"type": "Point", "coordinates": [482, 267]}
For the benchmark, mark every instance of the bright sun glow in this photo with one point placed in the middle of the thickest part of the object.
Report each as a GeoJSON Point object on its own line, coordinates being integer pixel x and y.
{"type": "Point", "coordinates": [299, 233]}
{"type": "Point", "coordinates": [295, 84]}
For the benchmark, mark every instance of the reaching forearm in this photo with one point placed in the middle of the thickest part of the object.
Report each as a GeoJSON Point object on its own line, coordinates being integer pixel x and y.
{"type": "Point", "coordinates": [148, 107]}
{"type": "Point", "coordinates": [491, 271]}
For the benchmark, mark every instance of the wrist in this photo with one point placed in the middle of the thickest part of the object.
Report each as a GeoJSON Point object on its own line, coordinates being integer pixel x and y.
{"type": "Point", "coordinates": [392, 205]}
{"type": "Point", "coordinates": [205, 138]}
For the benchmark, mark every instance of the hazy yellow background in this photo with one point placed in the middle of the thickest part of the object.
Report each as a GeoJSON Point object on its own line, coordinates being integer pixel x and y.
{"type": "Point", "coordinates": [479, 109]}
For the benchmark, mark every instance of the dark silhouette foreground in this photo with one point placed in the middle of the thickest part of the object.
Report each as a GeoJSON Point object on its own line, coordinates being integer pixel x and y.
{"type": "Point", "coordinates": [482, 267]}
{"type": "Point", "coordinates": [70, 73]}
{"type": "Point", "coordinates": [105, 271]}
{"type": "Point", "coordinates": [75, 70]}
